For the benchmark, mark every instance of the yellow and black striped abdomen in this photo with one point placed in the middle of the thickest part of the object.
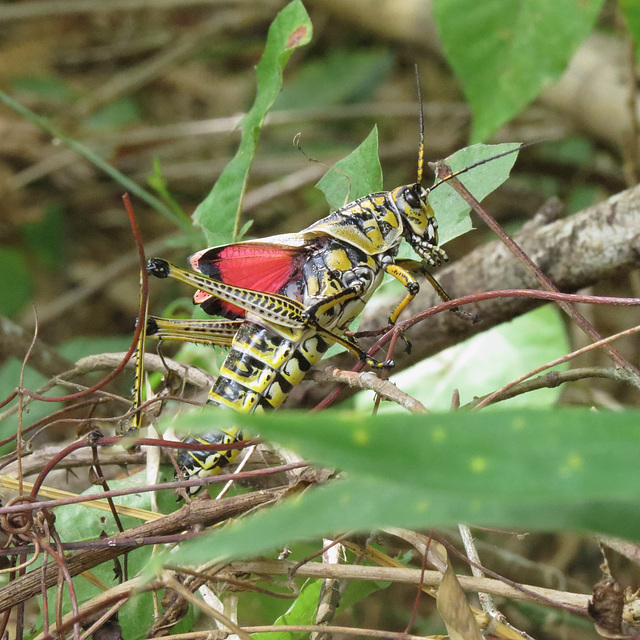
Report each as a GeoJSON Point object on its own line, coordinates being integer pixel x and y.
{"type": "Point", "coordinates": [263, 367]}
{"type": "Point", "coordinates": [259, 373]}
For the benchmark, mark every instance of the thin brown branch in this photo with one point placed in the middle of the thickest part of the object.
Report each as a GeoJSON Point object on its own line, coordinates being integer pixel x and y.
{"type": "Point", "coordinates": [406, 576]}
{"type": "Point", "coordinates": [625, 374]}
{"type": "Point", "coordinates": [553, 379]}
{"type": "Point", "coordinates": [106, 361]}
{"type": "Point", "coordinates": [370, 381]}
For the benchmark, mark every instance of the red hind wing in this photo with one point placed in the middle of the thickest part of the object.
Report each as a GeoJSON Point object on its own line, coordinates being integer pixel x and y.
{"type": "Point", "coordinates": [261, 266]}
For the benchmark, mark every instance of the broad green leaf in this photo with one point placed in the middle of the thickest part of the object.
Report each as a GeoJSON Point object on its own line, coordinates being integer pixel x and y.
{"type": "Point", "coordinates": [451, 210]}
{"type": "Point", "coordinates": [16, 284]}
{"type": "Point", "coordinates": [219, 213]}
{"type": "Point", "coordinates": [472, 368]}
{"type": "Point", "coordinates": [548, 470]}
{"type": "Point", "coordinates": [359, 174]}
{"type": "Point", "coordinates": [341, 76]}
{"type": "Point", "coordinates": [505, 52]}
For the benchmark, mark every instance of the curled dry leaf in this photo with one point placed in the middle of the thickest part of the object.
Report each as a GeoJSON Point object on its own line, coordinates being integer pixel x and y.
{"type": "Point", "coordinates": [455, 610]}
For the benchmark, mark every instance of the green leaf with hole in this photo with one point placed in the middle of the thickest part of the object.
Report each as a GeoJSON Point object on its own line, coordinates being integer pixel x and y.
{"type": "Point", "coordinates": [359, 174]}
{"type": "Point", "coordinates": [545, 470]}
{"type": "Point", "coordinates": [505, 52]}
{"type": "Point", "coordinates": [451, 210]}
{"type": "Point", "coordinates": [219, 213]}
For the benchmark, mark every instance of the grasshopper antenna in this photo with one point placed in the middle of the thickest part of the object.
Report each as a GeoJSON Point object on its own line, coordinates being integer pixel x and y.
{"type": "Point", "coordinates": [421, 125]}
{"type": "Point", "coordinates": [298, 146]}
{"type": "Point", "coordinates": [520, 147]}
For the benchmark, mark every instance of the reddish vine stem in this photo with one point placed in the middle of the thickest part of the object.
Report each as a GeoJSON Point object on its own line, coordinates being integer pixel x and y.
{"type": "Point", "coordinates": [502, 293]}
{"type": "Point", "coordinates": [444, 172]}
{"type": "Point", "coordinates": [105, 487]}
{"type": "Point", "coordinates": [92, 441]}
{"type": "Point", "coordinates": [420, 589]}
{"type": "Point", "coordinates": [52, 463]}
{"type": "Point", "coordinates": [470, 299]}
{"type": "Point", "coordinates": [54, 415]}
{"type": "Point", "coordinates": [58, 556]}
{"type": "Point", "coordinates": [49, 504]}
{"type": "Point", "coordinates": [384, 374]}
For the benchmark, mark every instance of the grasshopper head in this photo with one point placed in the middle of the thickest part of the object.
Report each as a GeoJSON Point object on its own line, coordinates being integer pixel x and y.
{"type": "Point", "coordinates": [419, 222]}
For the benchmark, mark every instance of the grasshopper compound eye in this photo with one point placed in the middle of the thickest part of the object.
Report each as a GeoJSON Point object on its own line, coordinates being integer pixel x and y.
{"type": "Point", "coordinates": [412, 198]}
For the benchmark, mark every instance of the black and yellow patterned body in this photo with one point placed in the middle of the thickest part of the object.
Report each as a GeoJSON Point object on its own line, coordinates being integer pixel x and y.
{"type": "Point", "coordinates": [263, 367]}
{"type": "Point", "coordinates": [287, 298]}
{"type": "Point", "coordinates": [267, 359]}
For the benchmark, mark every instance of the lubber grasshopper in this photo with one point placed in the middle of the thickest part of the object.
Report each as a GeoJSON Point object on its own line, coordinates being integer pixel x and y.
{"type": "Point", "coordinates": [287, 298]}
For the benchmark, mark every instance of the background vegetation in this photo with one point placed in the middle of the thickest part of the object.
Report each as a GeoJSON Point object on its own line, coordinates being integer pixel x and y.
{"type": "Point", "coordinates": [146, 97]}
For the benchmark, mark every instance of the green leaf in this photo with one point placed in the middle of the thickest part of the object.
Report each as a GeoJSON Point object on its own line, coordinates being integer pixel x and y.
{"type": "Point", "coordinates": [45, 237]}
{"type": "Point", "coordinates": [342, 76]}
{"type": "Point", "coordinates": [46, 87]}
{"type": "Point", "coordinates": [219, 213]}
{"type": "Point", "coordinates": [359, 174]}
{"type": "Point", "coordinates": [505, 52]}
{"type": "Point", "coordinates": [77, 522]}
{"type": "Point", "coordinates": [631, 11]}
{"type": "Point", "coordinates": [157, 183]}
{"type": "Point", "coordinates": [547, 470]}
{"type": "Point", "coordinates": [451, 210]}
{"type": "Point", "coordinates": [115, 115]}
{"type": "Point", "coordinates": [16, 285]}
{"type": "Point", "coordinates": [302, 611]}
{"type": "Point", "coordinates": [471, 368]}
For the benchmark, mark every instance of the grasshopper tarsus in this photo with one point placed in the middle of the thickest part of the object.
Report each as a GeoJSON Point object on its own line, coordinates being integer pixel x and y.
{"type": "Point", "coordinates": [158, 267]}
